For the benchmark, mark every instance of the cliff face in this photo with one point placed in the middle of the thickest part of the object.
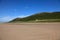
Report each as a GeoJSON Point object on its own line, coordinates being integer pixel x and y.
{"type": "Point", "coordinates": [39, 16]}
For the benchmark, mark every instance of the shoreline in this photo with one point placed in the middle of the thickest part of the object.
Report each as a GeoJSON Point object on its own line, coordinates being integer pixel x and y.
{"type": "Point", "coordinates": [33, 23]}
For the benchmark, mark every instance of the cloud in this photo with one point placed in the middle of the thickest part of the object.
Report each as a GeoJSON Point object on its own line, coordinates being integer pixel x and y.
{"type": "Point", "coordinates": [5, 19]}
{"type": "Point", "coordinates": [9, 18]}
{"type": "Point", "coordinates": [26, 7]}
{"type": "Point", "coordinates": [22, 16]}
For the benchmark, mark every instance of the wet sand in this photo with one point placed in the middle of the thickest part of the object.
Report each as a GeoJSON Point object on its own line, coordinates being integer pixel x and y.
{"type": "Point", "coordinates": [30, 31]}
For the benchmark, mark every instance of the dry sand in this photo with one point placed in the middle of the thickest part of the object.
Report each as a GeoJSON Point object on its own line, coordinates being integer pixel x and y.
{"type": "Point", "coordinates": [30, 31]}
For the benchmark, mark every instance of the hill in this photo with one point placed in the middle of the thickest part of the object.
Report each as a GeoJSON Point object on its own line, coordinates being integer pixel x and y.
{"type": "Point", "coordinates": [45, 16]}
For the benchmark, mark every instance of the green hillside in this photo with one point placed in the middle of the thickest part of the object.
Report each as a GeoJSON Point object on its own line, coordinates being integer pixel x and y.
{"type": "Point", "coordinates": [40, 17]}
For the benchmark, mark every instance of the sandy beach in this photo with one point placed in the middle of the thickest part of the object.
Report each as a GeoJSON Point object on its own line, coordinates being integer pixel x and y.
{"type": "Point", "coordinates": [30, 31]}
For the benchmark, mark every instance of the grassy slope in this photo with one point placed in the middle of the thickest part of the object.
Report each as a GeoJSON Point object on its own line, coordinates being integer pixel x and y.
{"type": "Point", "coordinates": [41, 17]}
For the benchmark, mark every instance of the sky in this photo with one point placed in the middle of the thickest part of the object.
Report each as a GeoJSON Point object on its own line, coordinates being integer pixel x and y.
{"type": "Point", "coordinates": [10, 9]}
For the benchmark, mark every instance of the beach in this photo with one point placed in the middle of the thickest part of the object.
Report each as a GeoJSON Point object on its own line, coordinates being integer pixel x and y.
{"type": "Point", "coordinates": [30, 31]}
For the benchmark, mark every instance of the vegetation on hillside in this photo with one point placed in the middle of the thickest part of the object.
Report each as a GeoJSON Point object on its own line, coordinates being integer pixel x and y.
{"type": "Point", "coordinates": [45, 16]}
